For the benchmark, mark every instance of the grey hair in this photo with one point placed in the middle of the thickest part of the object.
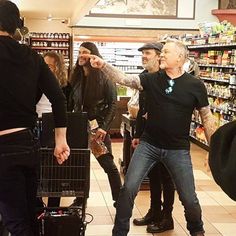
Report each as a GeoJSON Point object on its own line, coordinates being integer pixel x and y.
{"type": "Point", "coordinates": [183, 50]}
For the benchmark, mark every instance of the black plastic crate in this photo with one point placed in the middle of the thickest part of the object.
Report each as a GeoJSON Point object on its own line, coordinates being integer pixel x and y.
{"type": "Point", "coordinates": [72, 178]}
{"type": "Point", "coordinates": [62, 222]}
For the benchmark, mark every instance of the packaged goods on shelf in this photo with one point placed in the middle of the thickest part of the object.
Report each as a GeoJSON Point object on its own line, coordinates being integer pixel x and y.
{"type": "Point", "coordinates": [217, 61]}
{"type": "Point", "coordinates": [58, 42]}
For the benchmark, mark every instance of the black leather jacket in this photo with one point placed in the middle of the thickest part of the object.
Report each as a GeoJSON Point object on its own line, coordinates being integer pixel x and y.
{"type": "Point", "coordinates": [99, 100]}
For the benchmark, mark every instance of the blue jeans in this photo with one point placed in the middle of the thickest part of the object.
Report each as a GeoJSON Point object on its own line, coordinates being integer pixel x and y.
{"type": "Point", "coordinates": [178, 162]}
{"type": "Point", "coordinates": [19, 165]}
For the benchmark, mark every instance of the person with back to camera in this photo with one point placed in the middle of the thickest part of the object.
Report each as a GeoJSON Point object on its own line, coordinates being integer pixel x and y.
{"type": "Point", "coordinates": [93, 93]}
{"type": "Point", "coordinates": [172, 96]}
{"type": "Point", "coordinates": [159, 216]}
{"type": "Point", "coordinates": [56, 64]}
{"type": "Point", "coordinates": [24, 77]}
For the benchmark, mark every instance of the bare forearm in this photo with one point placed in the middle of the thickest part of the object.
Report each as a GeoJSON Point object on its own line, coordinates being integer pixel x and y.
{"type": "Point", "coordinates": [60, 135]}
{"type": "Point", "coordinates": [62, 150]}
{"type": "Point", "coordinates": [208, 121]}
{"type": "Point", "coordinates": [120, 77]}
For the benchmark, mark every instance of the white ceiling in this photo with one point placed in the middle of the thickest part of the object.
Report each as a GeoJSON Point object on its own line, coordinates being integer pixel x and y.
{"type": "Point", "coordinates": [67, 9]}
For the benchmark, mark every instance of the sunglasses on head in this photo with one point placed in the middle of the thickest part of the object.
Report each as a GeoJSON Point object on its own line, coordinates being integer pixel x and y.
{"type": "Point", "coordinates": [169, 89]}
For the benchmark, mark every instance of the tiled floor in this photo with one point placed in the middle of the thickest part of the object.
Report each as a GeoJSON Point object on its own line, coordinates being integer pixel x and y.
{"type": "Point", "coordinates": [219, 212]}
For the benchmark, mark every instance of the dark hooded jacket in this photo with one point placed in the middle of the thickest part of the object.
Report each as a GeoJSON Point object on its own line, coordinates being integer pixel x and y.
{"type": "Point", "coordinates": [94, 94]}
{"type": "Point", "coordinates": [222, 158]}
{"type": "Point", "coordinates": [24, 77]}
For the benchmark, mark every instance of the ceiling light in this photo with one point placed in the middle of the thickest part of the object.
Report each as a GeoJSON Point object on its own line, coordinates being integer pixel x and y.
{"type": "Point", "coordinates": [16, 2]}
{"type": "Point", "coordinates": [49, 18]}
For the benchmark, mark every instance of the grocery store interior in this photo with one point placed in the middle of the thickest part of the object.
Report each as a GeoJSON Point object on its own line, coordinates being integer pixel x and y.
{"type": "Point", "coordinates": [119, 28]}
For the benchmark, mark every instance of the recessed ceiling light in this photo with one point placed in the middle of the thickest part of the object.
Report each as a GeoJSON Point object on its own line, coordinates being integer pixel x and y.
{"type": "Point", "coordinates": [49, 18]}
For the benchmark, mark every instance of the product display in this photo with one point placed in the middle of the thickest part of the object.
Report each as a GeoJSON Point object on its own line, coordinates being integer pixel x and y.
{"type": "Point", "coordinates": [123, 55]}
{"type": "Point", "coordinates": [217, 64]}
{"type": "Point", "coordinates": [58, 42]}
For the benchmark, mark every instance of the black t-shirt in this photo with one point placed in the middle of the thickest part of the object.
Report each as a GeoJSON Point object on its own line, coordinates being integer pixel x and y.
{"type": "Point", "coordinates": [169, 115]}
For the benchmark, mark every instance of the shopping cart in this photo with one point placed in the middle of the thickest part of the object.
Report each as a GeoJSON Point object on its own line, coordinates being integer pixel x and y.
{"type": "Point", "coordinates": [71, 179]}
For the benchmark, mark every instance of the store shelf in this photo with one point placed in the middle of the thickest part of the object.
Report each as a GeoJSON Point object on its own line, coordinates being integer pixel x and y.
{"type": "Point", "coordinates": [221, 111]}
{"type": "Point", "coordinates": [49, 48]}
{"type": "Point", "coordinates": [217, 96]}
{"type": "Point", "coordinates": [59, 42]}
{"type": "Point", "coordinates": [218, 62]}
{"type": "Point", "coordinates": [215, 80]}
{"type": "Point", "coordinates": [50, 39]}
{"type": "Point", "coordinates": [209, 46]}
{"type": "Point", "coordinates": [218, 66]}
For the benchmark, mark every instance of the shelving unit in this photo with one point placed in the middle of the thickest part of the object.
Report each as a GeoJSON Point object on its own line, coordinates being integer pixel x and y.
{"type": "Point", "coordinates": [59, 42]}
{"type": "Point", "coordinates": [123, 55]}
{"type": "Point", "coordinates": [217, 64]}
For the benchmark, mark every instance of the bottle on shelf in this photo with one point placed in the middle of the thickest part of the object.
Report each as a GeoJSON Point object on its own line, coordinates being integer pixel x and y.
{"type": "Point", "coordinates": [59, 42]}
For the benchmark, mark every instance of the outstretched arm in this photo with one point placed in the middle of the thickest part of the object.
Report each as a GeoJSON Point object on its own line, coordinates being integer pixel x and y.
{"type": "Point", "coordinates": [113, 73]}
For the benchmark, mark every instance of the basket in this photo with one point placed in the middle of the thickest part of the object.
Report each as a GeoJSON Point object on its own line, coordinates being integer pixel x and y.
{"type": "Point", "coordinates": [71, 179]}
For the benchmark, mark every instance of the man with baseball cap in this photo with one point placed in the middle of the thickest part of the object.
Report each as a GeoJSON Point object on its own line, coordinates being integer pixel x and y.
{"type": "Point", "coordinates": [151, 45]}
{"type": "Point", "coordinates": [159, 217]}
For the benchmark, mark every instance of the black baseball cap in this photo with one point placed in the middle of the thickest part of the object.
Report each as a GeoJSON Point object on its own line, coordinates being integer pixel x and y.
{"type": "Point", "coordinates": [156, 46]}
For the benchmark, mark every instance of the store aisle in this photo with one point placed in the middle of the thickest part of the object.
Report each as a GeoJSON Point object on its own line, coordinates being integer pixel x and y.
{"type": "Point", "coordinates": [219, 212]}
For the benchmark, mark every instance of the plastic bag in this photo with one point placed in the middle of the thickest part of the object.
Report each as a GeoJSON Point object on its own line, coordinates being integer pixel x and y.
{"type": "Point", "coordinates": [98, 148]}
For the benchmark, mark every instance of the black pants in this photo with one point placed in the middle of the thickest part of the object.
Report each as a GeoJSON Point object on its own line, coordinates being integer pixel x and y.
{"type": "Point", "coordinates": [161, 183]}
{"type": "Point", "coordinates": [19, 164]}
{"type": "Point", "coordinates": [106, 161]}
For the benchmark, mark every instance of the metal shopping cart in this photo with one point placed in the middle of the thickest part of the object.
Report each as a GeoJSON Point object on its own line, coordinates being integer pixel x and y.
{"type": "Point", "coordinates": [71, 179]}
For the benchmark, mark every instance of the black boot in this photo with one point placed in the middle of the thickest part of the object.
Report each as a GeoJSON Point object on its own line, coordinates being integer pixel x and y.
{"type": "Point", "coordinates": [78, 202]}
{"type": "Point", "coordinates": [147, 219]}
{"type": "Point", "coordinates": [167, 223]}
{"type": "Point", "coordinates": [198, 234]}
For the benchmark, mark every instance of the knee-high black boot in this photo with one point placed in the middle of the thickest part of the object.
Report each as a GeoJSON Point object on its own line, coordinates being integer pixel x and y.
{"type": "Point", "coordinates": [107, 163]}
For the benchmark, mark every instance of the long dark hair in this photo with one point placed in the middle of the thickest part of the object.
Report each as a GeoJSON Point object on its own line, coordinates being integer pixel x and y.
{"type": "Point", "coordinates": [93, 79]}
